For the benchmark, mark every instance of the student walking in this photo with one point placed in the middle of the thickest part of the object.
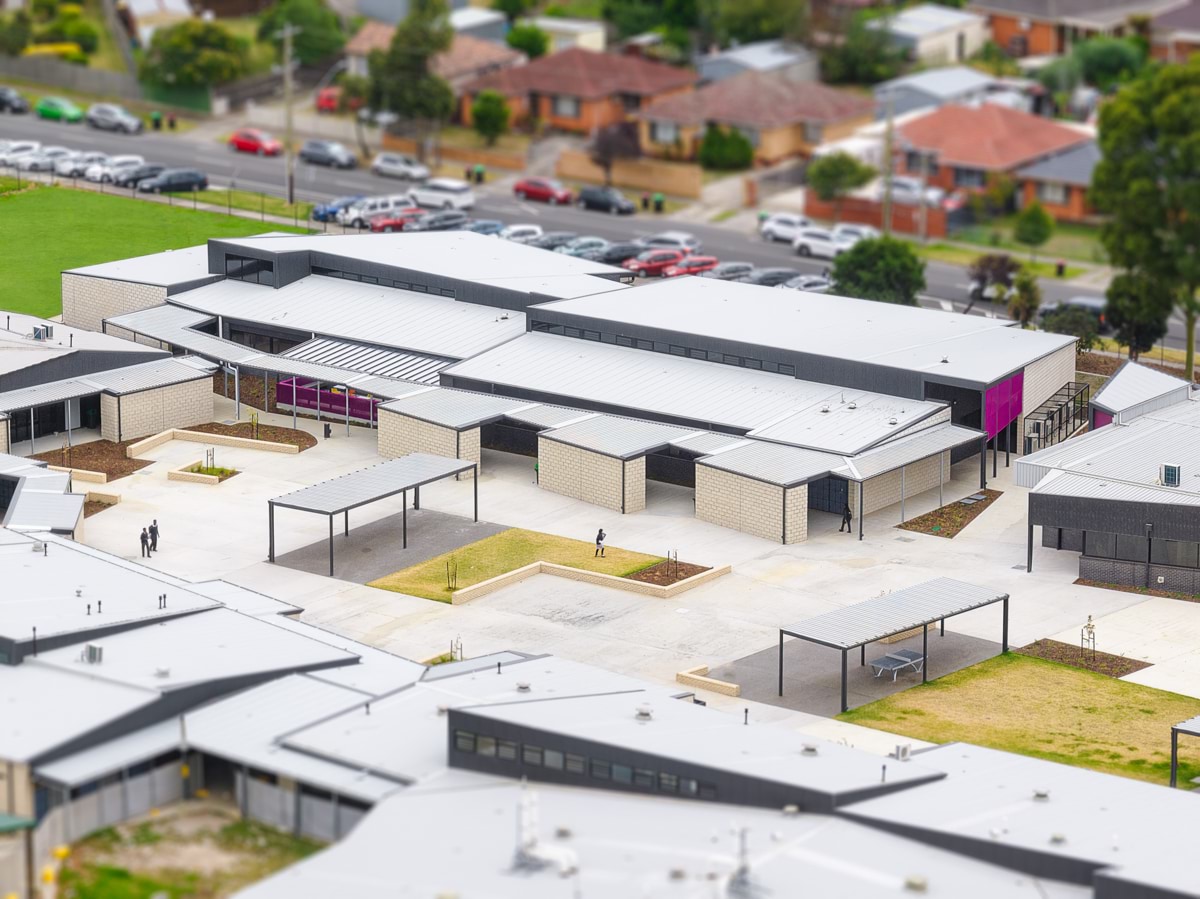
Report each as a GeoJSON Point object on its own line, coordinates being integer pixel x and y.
{"type": "Point", "coordinates": [154, 536]}
{"type": "Point", "coordinates": [600, 535]}
{"type": "Point", "coordinates": [846, 519]}
{"type": "Point", "coordinates": [145, 543]}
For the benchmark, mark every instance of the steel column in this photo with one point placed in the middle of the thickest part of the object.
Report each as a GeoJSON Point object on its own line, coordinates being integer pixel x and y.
{"type": "Point", "coordinates": [32, 438]}
{"type": "Point", "coordinates": [902, 467]}
{"type": "Point", "coordinates": [941, 479]}
{"type": "Point", "coordinates": [331, 544]}
{"type": "Point", "coordinates": [862, 656]}
{"type": "Point", "coordinates": [475, 487]}
{"type": "Point", "coordinates": [781, 663]}
{"type": "Point", "coordinates": [67, 416]}
{"type": "Point", "coordinates": [925, 654]}
{"type": "Point", "coordinates": [861, 510]}
{"type": "Point", "coordinates": [416, 497]}
{"type": "Point", "coordinates": [844, 704]}
{"type": "Point", "coordinates": [237, 393]}
{"type": "Point", "coordinates": [1029, 549]}
{"type": "Point", "coordinates": [1004, 633]}
{"type": "Point", "coordinates": [318, 400]}
{"type": "Point", "coordinates": [271, 531]}
{"type": "Point", "coordinates": [404, 520]}
{"type": "Point", "coordinates": [347, 410]}
{"type": "Point", "coordinates": [1174, 755]}
{"type": "Point", "coordinates": [983, 462]}
{"type": "Point", "coordinates": [346, 523]}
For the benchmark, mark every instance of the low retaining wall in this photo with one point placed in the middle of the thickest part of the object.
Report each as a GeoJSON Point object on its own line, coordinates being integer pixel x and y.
{"type": "Point", "coordinates": [905, 218]}
{"type": "Point", "coordinates": [490, 157]}
{"type": "Point", "coordinates": [144, 446]}
{"type": "Point", "coordinates": [696, 677]}
{"type": "Point", "coordinates": [82, 474]}
{"type": "Point", "coordinates": [108, 499]}
{"type": "Point", "coordinates": [193, 477]}
{"type": "Point", "coordinates": [491, 585]}
{"type": "Point", "coordinates": [676, 179]}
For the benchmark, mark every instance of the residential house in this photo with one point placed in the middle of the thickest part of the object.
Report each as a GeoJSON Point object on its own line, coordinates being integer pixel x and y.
{"type": "Point", "coordinates": [781, 116]}
{"type": "Point", "coordinates": [1044, 27]}
{"type": "Point", "coordinates": [585, 34]}
{"type": "Point", "coordinates": [933, 88]}
{"type": "Point", "coordinates": [487, 24]}
{"type": "Point", "coordinates": [392, 11]}
{"type": "Point", "coordinates": [1060, 183]}
{"type": "Point", "coordinates": [761, 56]}
{"type": "Point", "coordinates": [1176, 33]}
{"type": "Point", "coordinates": [579, 90]}
{"type": "Point", "coordinates": [935, 34]}
{"type": "Point", "coordinates": [142, 17]}
{"type": "Point", "coordinates": [963, 145]}
{"type": "Point", "coordinates": [467, 59]}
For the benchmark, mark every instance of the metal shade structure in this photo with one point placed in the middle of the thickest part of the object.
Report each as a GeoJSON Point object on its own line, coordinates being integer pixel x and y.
{"type": "Point", "coordinates": [1191, 728]}
{"type": "Point", "coordinates": [367, 485]}
{"type": "Point", "coordinates": [853, 627]}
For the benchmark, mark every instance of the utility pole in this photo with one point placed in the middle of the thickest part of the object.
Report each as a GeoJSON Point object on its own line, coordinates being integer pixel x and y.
{"type": "Point", "coordinates": [924, 208]}
{"type": "Point", "coordinates": [288, 32]}
{"type": "Point", "coordinates": [888, 138]}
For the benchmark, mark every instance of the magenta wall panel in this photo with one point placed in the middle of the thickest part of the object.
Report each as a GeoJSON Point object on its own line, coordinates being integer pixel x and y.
{"type": "Point", "coordinates": [1003, 403]}
{"type": "Point", "coordinates": [361, 407]}
{"type": "Point", "coordinates": [1102, 419]}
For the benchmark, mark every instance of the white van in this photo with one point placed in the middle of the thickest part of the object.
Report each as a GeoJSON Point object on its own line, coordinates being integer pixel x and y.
{"type": "Point", "coordinates": [444, 193]}
{"type": "Point", "coordinates": [360, 214]}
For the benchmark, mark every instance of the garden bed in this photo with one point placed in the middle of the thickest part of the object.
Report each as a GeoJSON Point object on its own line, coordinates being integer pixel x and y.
{"type": "Point", "coordinates": [99, 455]}
{"type": "Point", "coordinates": [93, 507]}
{"type": "Point", "coordinates": [1141, 591]}
{"type": "Point", "coordinates": [1069, 654]}
{"type": "Point", "coordinates": [667, 572]}
{"type": "Point", "coordinates": [266, 433]}
{"type": "Point", "coordinates": [950, 519]}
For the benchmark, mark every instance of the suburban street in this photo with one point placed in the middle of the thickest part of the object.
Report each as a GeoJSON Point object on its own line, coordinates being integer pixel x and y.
{"type": "Point", "coordinates": [946, 284]}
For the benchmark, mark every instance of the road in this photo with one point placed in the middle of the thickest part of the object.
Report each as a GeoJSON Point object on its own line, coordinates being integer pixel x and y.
{"type": "Point", "coordinates": [946, 285]}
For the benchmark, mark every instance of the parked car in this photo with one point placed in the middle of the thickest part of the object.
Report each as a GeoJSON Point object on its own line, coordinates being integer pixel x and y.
{"type": "Point", "coordinates": [58, 109]}
{"type": "Point", "coordinates": [615, 253]}
{"type": "Point", "coordinates": [329, 99]}
{"type": "Point", "coordinates": [653, 262]}
{"type": "Point", "coordinates": [174, 181]}
{"type": "Point", "coordinates": [782, 226]}
{"type": "Point", "coordinates": [444, 220]}
{"type": "Point", "coordinates": [75, 164]}
{"type": "Point", "coordinates": [444, 193]}
{"type": "Point", "coordinates": [399, 165]}
{"type": "Point", "coordinates": [328, 153]}
{"type": "Point", "coordinates": [552, 240]}
{"type": "Point", "coordinates": [691, 265]}
{"type": "Point", "coordinates": [770, 277]}
{"type": "Point", "coordinates": [490, 227]}
{"type": "Point", "coordinates": [729, 271]}
{"type": "Point", "coordinates": [672, 240]}
{"type": "Point", "coordinates": [605, 199]}
{"type": "Point", "coordinates": [581, 245]}
{"type": "Point", "coordinates": [396, 219]}
{"type": "Point", "coordinates": [359, 215]}
{"type": "Point", "coordinates": [855, 232]}
{"type": "Point", "coordinates": [327, 212]}
{"type": "Point", "coordinates": [133, 175]}
{"type": "Point", "coordinates": [111, 117]}
{"type": "Point", "coordinates": [821, 242]}
{"type": "Point", "coordinates": [808, 283]}
{"type": "Point", "coordinates": [1093, 306]}
{"type": "Point", "coordinates": [543, 190]}
{"type": "Point", "coordinates": [43, 160]}
{"type": "Point", "coordinates": [251, 140]}
{"type": "Point", "coordinates": [522, 233]}
{"type": "Point", "coordinates": [104, 172]}
{"type": "Point", "coordinates": [12, 150]}
{"type": "Point", "coordinates": [907, 191]}
{"type": "Point", "coordinates": [11, 101]}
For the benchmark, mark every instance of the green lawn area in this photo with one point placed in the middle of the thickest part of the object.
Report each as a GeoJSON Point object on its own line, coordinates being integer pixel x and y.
{"type": "Point", "coordinates": [256, 202]}
{"type": "Point", "coordinates": [49, 229]}
{"type": "Point", "coordinates": [262, 54]}
{"type": "Point", "coordinates": [1069, 241]}
{"type": "Point", "coordinates": [504, 552]}
{"type": "Point", "coordinates": [108, 54]}
{"type": "Point", "coordinates": [1046, 710]}
{"type": "Point", "coordinates": [942, 252]}
{"type": "Point", "coordinates": [468, 138]}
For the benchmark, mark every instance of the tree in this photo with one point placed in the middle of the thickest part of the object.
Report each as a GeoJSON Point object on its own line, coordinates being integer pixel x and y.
{"type": "Point", "coordinates": [864, 56]}
{"type": "Point", "coordinates": [529, 39]}
{"type": "Point", "coordinates": [612, 143]}
{"type": "Point", "coordinates": [320, 36]}
{"type": "Point", "coordinates": [835, 175]}
{"type": "Point", "coordinates": [883, 269]}
{"type": "Point", "coordinates": [1145, 182]}
{"type": "Point", "coordinates": [725, 149]}
{"type": "Point", "coordinates": [490, 113]}
{"type": "Point", "coordinates": [1033, 227]}
{"type": "Point", "coordinates": [1074, 322]}
{"type": "Point", "coordinates": [194, 53]}
{"type": "Point", "coordinates": [513, 9]}
{"type": "Point", "coordinates": [1138, 308]}
{"type": "Point", "coordinates": [1025, 298]}
{"type": "Point", "coordinates": [1107, 61]}
{"type": "Point", "coordinates": [991, 277]}
{"type": "Point", "coordinates": [745, 21]}
{"type": "Point", "coordinates": [15, 31]}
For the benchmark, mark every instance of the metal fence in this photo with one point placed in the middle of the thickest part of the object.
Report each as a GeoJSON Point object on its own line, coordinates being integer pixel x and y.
{"type": "Point", "coordinates": [318, 818]}
{"type": "Point", "coordinates": [55, 72]}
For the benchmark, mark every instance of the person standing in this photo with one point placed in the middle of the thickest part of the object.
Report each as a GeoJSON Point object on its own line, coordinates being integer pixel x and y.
{"type": "Point", "coordinates": [154, 536]}
{"type": "Point", "coordinates": [600, 535]}
{"type": "Point", "coordinates": [145, 543]}
{"type": "Point", "coordinates": [846, 519]}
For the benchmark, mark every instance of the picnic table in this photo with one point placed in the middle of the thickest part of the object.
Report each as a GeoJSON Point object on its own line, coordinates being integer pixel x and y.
{"type": "Point", "coordinates": [897, 661]}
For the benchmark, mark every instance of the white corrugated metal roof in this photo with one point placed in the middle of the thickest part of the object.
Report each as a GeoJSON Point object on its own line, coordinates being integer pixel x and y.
{"type": "Point", "coordinates": [1063, 483]}
{"type": "Point", "coordinates": [372, 483]}
{"type": "Point", "coordinates": [1134, 384]}
{"type": "Point", "coordinates": [848, 423]}
{"type": "Point", "coordinates": [458, 409]}
{"type": "Point", "coordinates": [19, 349]}
{"type": "Point", "coordinates": [371, 360]}
{"type": "Point", "coordinates": [115, 755]}
{"type": "Point", "coordinates": [775, 463]}
{"type": "Point", "coordinates": [612, 435]}
{"type": "Point", "coordinates": [926, 19]}
{"type": "Point", "coordinates": [166, 269]}
{"type": "Point", "coordinates": [945, 83]}
{"type": "Point", "coordinates": [545, 416]}
{"type": "Point", "coordinates": [43, 510]}
{"type": "Point", "coordinates": [707, 442]}
{"type": "Point", "coordinates": [176, 325]}
{"type": "Point", "coordinates": [116, 381]}
{"type": "Point", "coordinates": [908, 449]}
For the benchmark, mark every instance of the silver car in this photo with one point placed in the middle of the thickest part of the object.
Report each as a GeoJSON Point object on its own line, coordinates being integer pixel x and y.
{"type": "Point", "coordinates": [12, 151]}
{"type": "Point", "coordinates": [106, 171]}
{"type": "Point", "coordinates": [75, 165]}
{"type": "Point", "coordinates": [399, 165]}
{"type": "Point", "coordinates": [42, 160]}
{"type": "Point", "coordinates": [522, 233]}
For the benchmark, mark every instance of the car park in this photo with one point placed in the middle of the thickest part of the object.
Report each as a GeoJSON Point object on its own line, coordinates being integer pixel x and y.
{"type": "Point", "coordinates": [12, 102]}
{"type": "Point", "coordinates": [855, 232]}
{"type": "Point", "coordinates": [490, 227]}
{"type": "Point", "coordinates": [729, 271]}
{"type": "Point", "coordinates": [615, 253]}
{"type": "Point", "coordinates": [75, 164]}
{"type": "Point", "coordinates": [581, 245]}
{"type": "Point", "coordinates": [13, 150]}
{"type": "Point", "coordinates": [327, 212]}
{"type": "Point", "coordinates": [522, 233]}
{"type": "Point", "coordinates": [58, 109]}
{"type": "Point", "coordinates": [399, 165]}
{"type": "Point", "coordinates": [691, 265]}
{"type": "Point", "coordinates": [359, 215]}
{"type": "Point", "coordinates": [808, 283]}
{"type": "Point", "coordinates": [111, 117]}
{"type": "Point", "coordinates": [672, 240]}
{"type": "Point", "coordinates": [605, 199]}
{"type": "Point", "coordinates": [43, 160]}
{"type": "Point", "coordinates": [444, 193]}
{"type": "Point", "coordinates": [133, 175]}
{"type": "Point", "coordinates": [174, 181]}
{"type": "Point", "coordinates": [782, 226]}
{"type": "Point", "coordinates": [770, 277]}
{"type": "Point", "coordinates": [653, 262]}
{"type": "Point", "coordinates": [542, 190]}
{"type": "Point", "coordinates": [104, 172]}
{"type": "Point", "coordinates": [442, 220]}
{"type": "Point", "coordinates": [395, 220]}
{"type": "Point", "coordinates": [821, 242]}
{"type": "Point", "coordinates": [907, 191]}
{"type": "Point", "coordinates": [552, 240]}
{"type": "Point", "coordinates": [328, 153]}
{"type": "Point", "coordinates": [251, 140]}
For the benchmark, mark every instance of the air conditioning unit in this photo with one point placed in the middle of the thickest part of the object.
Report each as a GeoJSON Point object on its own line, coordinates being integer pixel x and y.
{"type": "Point", "coordinates": [39, 333]}
{"type": "Point", "coordinates": [1169, 475]}
{"type": "Point", "coordinates": [48, 331]}
{"type": "Point", "coordinates": [93, 653]}
{"type": "Point", "coordinates": [903, 751]}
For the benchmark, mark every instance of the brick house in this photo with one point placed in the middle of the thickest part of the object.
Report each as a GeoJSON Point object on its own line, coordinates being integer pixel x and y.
{"type": "Point", "coordinates": [1175, 34]}
{"type": "Point", "coordinates": [1061, 182]}
{"type": "Point", "coordinates": [467, 59]}
{"type": "Point", "coordinates": [580, 90]}
{"type": "Point", "coordinates": [1037, 27]}
{"type": "Point", "coordinates": [966, 144]}
{"type": "Point", "coordinates": [780, 115]}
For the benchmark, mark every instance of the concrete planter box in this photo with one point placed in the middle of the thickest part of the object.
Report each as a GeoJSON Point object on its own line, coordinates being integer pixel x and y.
{"type": "Point", "coordinates": [142, 446]}
{"type": "Point", "coordinates": [194, 477]}
{"type": "Point", "coordinates": [82, 474]}
{"type": "Point", "coordinates": [483, 588]}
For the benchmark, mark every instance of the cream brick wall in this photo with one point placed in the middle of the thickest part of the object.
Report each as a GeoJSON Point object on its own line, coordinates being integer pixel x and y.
{"type": "Point", "coordinates": [4, 426]}
{"type": "Point", "coordinates": [744, 505]}
{"type": "Point", "coordinates": [884, 491]}
{"type": "Point", "coordinates": [87, 301]}
{"type": "Point", "coordinates": [797, 514]}
{"type": "Point", "coordinates": [635, 485]}
{"type": "Point", "coordinates": [151, 411]}
{"type": "Point", "coordinates": [108, 417]}
{"type": "Point", "coordinates": [400, 435]}
{"type": "Point", "coordinates": [586, 476]}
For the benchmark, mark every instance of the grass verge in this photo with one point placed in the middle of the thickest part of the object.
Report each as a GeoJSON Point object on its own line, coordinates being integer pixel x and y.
{"type": "Point", "coordinates": [952, 255]}
{"type": "Point", "coordinates": [49, 229]}
{"type": "Point", "coordinates": [1069, 240]}
{"type": "Point", "coordinates": [1047, 710]}
{"type": "Point", "coordinates": [265, 204]}
{"type": "Point", "coordinates": [506, 552]}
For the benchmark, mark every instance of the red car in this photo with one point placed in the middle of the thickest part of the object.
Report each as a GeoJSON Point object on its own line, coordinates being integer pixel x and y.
{"type": "Point", "coordinates": [251, 140]}
{"type": "Point", "coordinates": [543, 190]}
{"type": "Point", "coordinates": [396, 219]}
{"type": "Point", "coordinates": [329, 99]}
{"type": "Point", "coordinates": [653, 262]}
{"type": "Point", "coordinates": [691, 265]}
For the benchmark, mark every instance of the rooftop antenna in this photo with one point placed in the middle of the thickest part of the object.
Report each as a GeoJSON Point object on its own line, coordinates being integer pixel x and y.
{"type": "Point", "coordinates": [739, 882]}
{"type": "Point", "coordinates": [531, 854]}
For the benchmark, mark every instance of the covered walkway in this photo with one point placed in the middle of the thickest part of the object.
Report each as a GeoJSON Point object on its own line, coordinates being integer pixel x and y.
{"type": "Point", "coordinates": [1191, 728]}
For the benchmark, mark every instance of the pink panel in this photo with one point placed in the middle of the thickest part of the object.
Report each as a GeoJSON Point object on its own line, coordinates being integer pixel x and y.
{"type": "Point", "coordinates": [1003, 402]}
{"type": "Point", "coordinates": [1102, 419]}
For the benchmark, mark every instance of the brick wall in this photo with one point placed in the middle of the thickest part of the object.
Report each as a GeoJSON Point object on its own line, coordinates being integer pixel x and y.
{"type": "Point", "coordinates": [1075, 209]}
{"type": "Point", "coordinates": [905, 219]}
{"type": "Point", "coordinates": [884, 490]}
{"type": "Point", "coordinates": [635, 485]}
{"type": "Point", "coordinates": [797, 514]}
{"type": "Point", "coordinates": [108, 418]}
{"type": "Point", "coordinates": [1133, 574]}
{"type": "Point", "coordinates": [742, 504]}
{"type": "Point", "coordinates": [4, 425]}
{"type": "Point", "coordinates": [591, 477]}
{"type": "Point", "coordinates": [87, 301]}
{"type": "Point", "coordinates": [151, 411]}
{"type": "Point", "coordinates": [400, 435]}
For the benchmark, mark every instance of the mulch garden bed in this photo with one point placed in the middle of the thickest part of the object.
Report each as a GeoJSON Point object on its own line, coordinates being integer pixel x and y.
{"type": "Point", "coordinates": [269, 433]}
{"type": "Point", "coordinates": [98, 455]}
{"type": "Point", "coordinates": [91, 507]}
{"type": "Point", "coordinates": [1067, 654]}
{"type": "Point", "coordinates": [667, 572]}
{"type": "Point", "coordinates": [1141, 591]}
{"type": "Point", "coordinates": [949, 520]}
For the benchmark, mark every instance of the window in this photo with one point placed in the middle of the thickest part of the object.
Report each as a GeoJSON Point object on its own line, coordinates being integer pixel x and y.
{"type": "Point", "coordinates": [1053, 192]}
{"type": "Point", "coordinates": [531, 755]}
{"type": "Point", "coordinates": [664, 132]}
{"type": "Point", "coordinates": [754, 363]}
{"type": "Point", "coordinates": [622, 774]}
{"type": "Point", "coordinates": [485, 746]}
{"type": "Point", "coordinates": [566, 107]}
{"type": "Point", "coordinates": [576, 764]}
{"type": "Point", "coordinates": [506, 750]}
{"type": "Point", "coordinates": [812, 132]}
{"type": "Point", "coordinates": [668, 783]}
{"type": "Point", "coordinates": [677, 350]}
{"type": "Point", "coordinates": [257, 271]}
{"type": "Point", "coordinates": [688, 787]}
{"type": "Point", "coordinates": [751, 134]}
{"type": "Point", "coordinates": [912, 162]}
{"type": "Point", "coordinates": [624, 341]}
{"type": "Point", "coordinates": [969, 178]}
{"type": "Point", "coordinates": [554, 759]}
{"type": "Point", "coordinates": [631, 102]}
{"type": "Point", "coordinates": [643, 778]}
{"type": "Point", "coordinates": [600, 770]}
{"type": "Point", "coordinates": [464, 741]}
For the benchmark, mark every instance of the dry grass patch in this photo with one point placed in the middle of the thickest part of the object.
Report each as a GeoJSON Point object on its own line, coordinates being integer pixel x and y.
{"type": "Point", "coordinates": [1046, 710]}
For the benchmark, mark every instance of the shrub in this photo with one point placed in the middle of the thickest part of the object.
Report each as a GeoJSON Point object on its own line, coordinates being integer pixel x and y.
{"type": "Point", "coordinates": [725, 149]}
{"type": "Point", "coordinates": [83, 33]}
{"type": "Point", "coordinates": [1075, 322]}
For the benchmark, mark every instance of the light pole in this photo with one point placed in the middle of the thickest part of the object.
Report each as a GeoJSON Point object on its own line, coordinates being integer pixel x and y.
{"type": "Point", "coordinates": [288, 32]}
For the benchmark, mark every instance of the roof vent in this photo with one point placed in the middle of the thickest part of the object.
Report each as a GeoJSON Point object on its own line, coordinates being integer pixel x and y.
{"type": "Point", "coordinates": [915, 883]}
{"type": "Point", "coordinates": [945, 360]}
{"type": "Point", "coordinates": [441, 709]}
{"type": "Point", "coordinates": [1058, 838]}
{"type": "Point", "coordinates": [791, 811]}
{"type": "Point", "coordinates": [78, 592]}
{"type": "Point", "coordinates": [853, 405]}
{"type": "Point", "coordinates": [1041, 795]}
{"type": "Point", "coordinates": [1169, 475]}
{"type": "Point", "coordinates": [562, 832]}
{"type": "Point", "coordinates": [824, 408]}
{"type": "Point", "coordinates": [677, 874]}
{"type": "Point", "coordinates": [892, 420]}
{"type": "Point", "coordinates": [523, 686]}
{"type": "Point", "coordinates": [93, 653]}
{"type": "Point", "coordinates": [162, 671]}
{"type": "Point", "coordinates": [644, 713]}
{"type": "Point", "coordinates": [808, 749]}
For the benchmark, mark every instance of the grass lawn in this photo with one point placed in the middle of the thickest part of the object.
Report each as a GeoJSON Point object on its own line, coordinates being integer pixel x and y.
{"type": "Point", "coordinates": [1070, 240]}
{"type": "Point", "coordinates": [257, 202]}
{"type": "Point", "coordinates": [261, 56]}
{"type": "Point", "coordinates": [941, 252]}
{"type": "Point", "coordinates": [504, 552]}
{"type": "Point", "coordinates": [108, 54]}
{"type": "Point", "coordinates": [1046, 710]}
{"type": "Point", "coordinates": [459, 136]}
{"type": "Point", "coordinates": [49, 229]}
